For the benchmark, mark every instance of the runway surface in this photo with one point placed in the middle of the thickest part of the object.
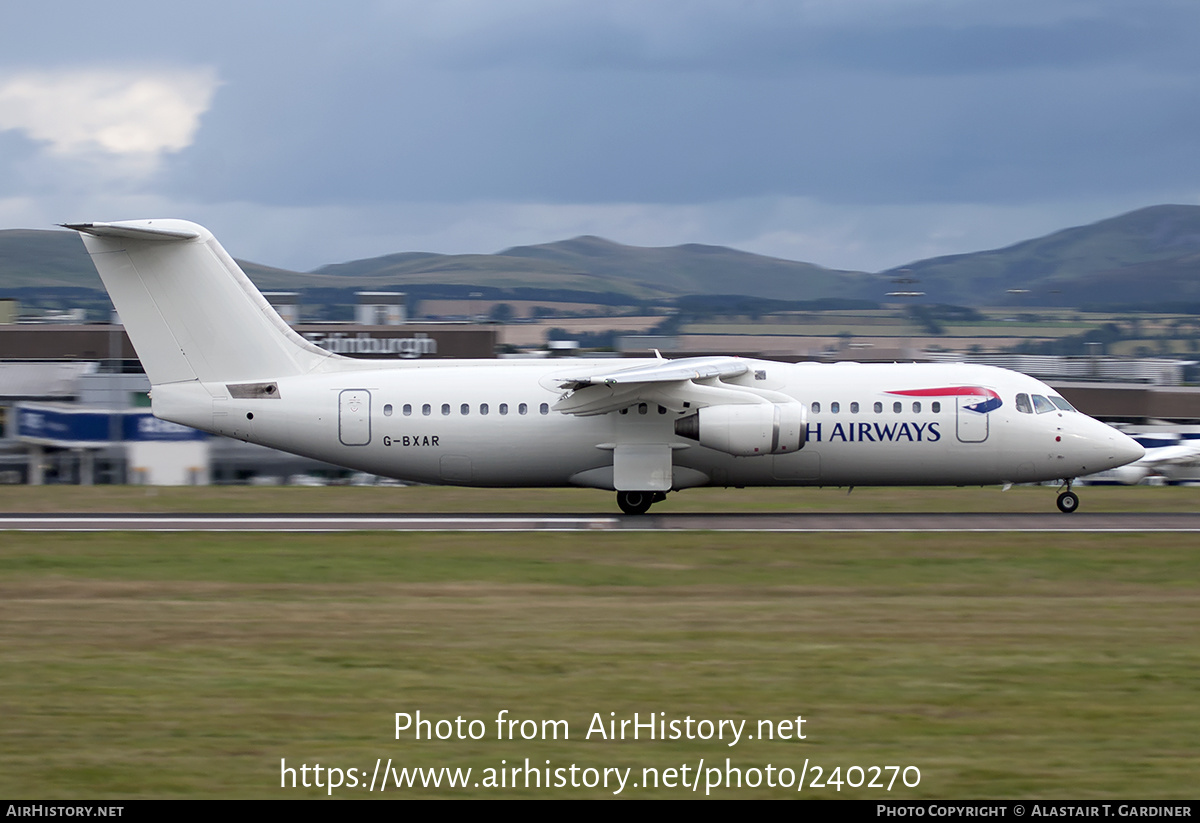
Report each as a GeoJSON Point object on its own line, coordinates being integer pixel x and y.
{"type": "Point", "coordinates": [755, 522]}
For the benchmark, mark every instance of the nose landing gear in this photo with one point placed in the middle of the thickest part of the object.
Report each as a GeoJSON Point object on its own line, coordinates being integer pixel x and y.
{"type": "Point", "coordinates": [1068, 501]}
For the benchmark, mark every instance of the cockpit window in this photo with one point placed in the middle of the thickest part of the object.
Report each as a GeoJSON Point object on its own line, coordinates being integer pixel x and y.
{"type": "Point", "coordinates": [1041, 405]}
{"type": "Point", "coordinates": [1062, 404]}
{"type": "Point", "coordinates": [1023, 404]}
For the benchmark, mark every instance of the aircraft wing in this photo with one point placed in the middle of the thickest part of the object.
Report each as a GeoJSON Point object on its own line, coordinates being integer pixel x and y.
{"type": "Point", "coordinates": [663, 371]}
{"type": "Point", "coordinates": [676, 385]}
{"type": "Point", "coordinates": [1171, 456]}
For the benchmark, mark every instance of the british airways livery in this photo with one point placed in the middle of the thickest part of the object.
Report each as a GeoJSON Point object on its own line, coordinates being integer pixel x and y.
{"type": "Point", "coordinates": [991, 400]}
{"type": "Point", "coordinates": [219, 358]}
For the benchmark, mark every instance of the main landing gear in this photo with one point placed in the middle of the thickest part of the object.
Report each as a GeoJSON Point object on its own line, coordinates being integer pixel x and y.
{"type": "Point", "coordinates": [638, 502]}
{"type": "Point", "coordinates": [1068, 501]}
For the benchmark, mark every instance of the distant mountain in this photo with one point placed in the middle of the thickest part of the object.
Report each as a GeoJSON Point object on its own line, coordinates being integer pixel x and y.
{"type": "Point", "coordinates": [450, 274]}
{"type": "Point", "coordinates": [1147, 257]}
{"type": "Point", "coordinates": [56, 259]}
{"type": "Point", "coordinates": [33, 259]}
{"type": "Point", "coordinates": [699, 269]}
{"type": "Point", "coordinates": [593, 264]}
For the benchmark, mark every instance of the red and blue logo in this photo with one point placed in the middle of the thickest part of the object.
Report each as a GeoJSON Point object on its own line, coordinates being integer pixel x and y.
{"type": "Point", "coordinates": [990, 402]}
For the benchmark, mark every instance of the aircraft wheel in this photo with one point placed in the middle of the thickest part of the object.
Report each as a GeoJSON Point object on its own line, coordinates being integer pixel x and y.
{"type": "Point", "coordinates": [1068, 502]}
{"type": "Point", "coordinates": [635, 502]}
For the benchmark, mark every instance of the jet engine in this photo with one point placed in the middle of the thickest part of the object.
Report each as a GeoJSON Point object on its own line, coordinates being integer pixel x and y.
{"type": "Point", "coordinates": [747, 430]}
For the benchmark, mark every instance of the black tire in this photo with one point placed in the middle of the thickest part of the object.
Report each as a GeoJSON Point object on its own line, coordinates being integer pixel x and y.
{"type": "Point", "coordinates": [635, 502]}
{"type": "Point", "coordinates": [1068, 502]}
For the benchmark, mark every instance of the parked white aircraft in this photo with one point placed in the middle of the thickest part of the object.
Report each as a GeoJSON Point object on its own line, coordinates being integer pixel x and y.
{"type": "Point", "coordinates": [220, 359]}
{"type": "Point", "coordinates": [1173, 458]}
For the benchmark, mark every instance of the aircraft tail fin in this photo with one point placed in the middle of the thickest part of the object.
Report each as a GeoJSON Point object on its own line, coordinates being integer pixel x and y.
{"type": "Point", "coordinates": [189, 309]}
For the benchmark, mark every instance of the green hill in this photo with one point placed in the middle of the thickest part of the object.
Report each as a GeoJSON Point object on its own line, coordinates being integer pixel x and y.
{"type": "Point", "coordinates": [34, 259]}
{"type": "Point", "coordinates": [1149, 256]}
{"type": "Point", "coordinates": [450, 273]}
{"type": "Point", "coordinates": [593, 264]}
{"type": "Point", "coordinates": [699, 269]}
{"type": "Point", "coordinates": [55, 259]}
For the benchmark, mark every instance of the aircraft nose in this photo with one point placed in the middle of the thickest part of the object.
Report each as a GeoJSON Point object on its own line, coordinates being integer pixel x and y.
{"type": "Point", "coordinates": [1126, 449]}
{"type": "Point", "coordinates": [1102, 447]}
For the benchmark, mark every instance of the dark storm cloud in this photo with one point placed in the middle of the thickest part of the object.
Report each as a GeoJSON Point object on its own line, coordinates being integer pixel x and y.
{"type": "Point", "coordinates": [570, 103]}
{"type": "Point", "coordinates": [849, 103]}
{"type": "Point", "coordinates": [664, 102]}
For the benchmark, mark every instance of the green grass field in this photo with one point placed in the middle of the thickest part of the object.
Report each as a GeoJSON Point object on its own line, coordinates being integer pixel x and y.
{"type": "Point", "coordinates": [447, 499]}
{"type": "Point", "coordinates": [999, 665]}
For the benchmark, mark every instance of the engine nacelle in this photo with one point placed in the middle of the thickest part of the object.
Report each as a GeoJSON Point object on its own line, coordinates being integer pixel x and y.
{"type": "Point", "coordinates": [748, 430]}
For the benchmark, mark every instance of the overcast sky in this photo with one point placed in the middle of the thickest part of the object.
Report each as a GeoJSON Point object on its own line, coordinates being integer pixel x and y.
{"type": "Point", "coordinates": [857, 134]}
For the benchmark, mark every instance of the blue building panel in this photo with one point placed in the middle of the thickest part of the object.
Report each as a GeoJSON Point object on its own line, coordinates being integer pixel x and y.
{"type": "Point", "coordinates": [69, 427]}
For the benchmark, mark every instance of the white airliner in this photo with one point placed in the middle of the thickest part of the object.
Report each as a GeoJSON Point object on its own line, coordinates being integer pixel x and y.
{"type": "Point", "coordinates": [1169, 457]}
{"type": "Point", "coordinates": [220, 359]}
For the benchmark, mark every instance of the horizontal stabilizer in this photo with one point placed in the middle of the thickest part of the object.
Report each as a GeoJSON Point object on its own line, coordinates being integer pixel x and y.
{"type": "Point", "coordinates": [143, 230]}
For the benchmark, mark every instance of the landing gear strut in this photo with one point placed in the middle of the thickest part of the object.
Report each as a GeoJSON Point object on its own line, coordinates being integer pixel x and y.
{"type": "Point", "coordinates": [1068, 501]}
{"type": "Point", "coordinates": [638, 502]}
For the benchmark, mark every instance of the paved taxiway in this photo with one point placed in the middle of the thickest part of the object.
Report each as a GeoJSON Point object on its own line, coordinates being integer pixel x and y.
{"type": "Point", "coordinates": [757, 522]}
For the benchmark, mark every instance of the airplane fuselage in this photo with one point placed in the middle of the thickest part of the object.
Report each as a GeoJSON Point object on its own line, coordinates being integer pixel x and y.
{"type": "Point", "coordinates": [493, 423]}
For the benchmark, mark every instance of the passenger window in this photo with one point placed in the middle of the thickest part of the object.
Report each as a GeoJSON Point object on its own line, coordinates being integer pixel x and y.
{"type": "Point", "coordinates": [445, 408]}
{"type": "Point", "coordinates": [917, 407]}
{"type": "Point", "coordinates": [897, 407]}
{"type": "Point", "coordinates": [483, 408]}
{"type": "Point", "coordinates": [521, 409]}
{"type": "Point", "coordinates": [545, 408]}
{"type": "Point", "coordinates": [1023, 404]}
{"type": "Point", "coordinates": [878, 408]}
{"type": "Point", "coordinates": [935, 406]}
{"type": "Point", "coordinates": [1041, 405]}
{"type": "Point", "coordinates": [835, 407]}
{"type": "Point", "coordinates": [465, 409]}
{"type": "Point", "coordinates": [426, 410]}
{"type": "Point", "coordinates": [408, 409]}
{"type": "Point", "coordinates": [1062, 404]}
{"type": "Point", "coordinates": [816, 408]}
{"type": "Point", "coordinates": [387, 410]}
{"type": "Point", "coordinates": [642, 408]}
{"type": "Point", "coordinates": [854, 408]}
{"type": "Point", "coordinates": [503, 408]}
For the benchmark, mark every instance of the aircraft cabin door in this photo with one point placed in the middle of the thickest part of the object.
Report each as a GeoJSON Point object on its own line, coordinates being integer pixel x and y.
{"type": "Point", "coordinates": [972, 425]}
{"type": "Point", "coordinates": [354, 417]}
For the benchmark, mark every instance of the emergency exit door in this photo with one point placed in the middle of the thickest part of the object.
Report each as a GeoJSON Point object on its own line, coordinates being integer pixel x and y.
{"type": "Point", "coordinates": [354, 417]}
